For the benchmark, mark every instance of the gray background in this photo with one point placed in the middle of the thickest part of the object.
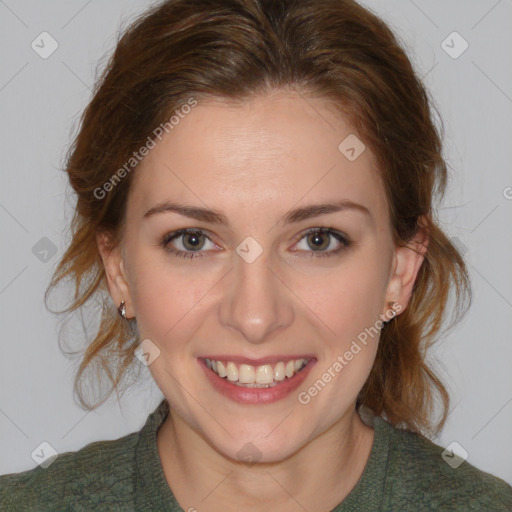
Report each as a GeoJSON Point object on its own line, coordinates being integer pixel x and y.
{"type": "Point", "coordinates": [41, 100]}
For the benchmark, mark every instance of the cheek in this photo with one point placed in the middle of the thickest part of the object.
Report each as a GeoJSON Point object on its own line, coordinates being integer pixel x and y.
{"type": "Point", "coordinates": [164, 297]}
{"type": "Point", "coordinates": [349, 299]}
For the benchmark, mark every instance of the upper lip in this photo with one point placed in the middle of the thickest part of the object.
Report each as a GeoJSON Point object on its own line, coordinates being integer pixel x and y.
{"type": "Point", "coordinates": [258, 362]}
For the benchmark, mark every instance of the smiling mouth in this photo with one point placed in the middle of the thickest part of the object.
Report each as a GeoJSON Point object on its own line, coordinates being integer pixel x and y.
{"type": "Point", "coordinates": [262, 376]}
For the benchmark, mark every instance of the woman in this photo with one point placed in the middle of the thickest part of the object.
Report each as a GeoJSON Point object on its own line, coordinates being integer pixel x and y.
{"type": "Point", "coordinates": [255, 185]}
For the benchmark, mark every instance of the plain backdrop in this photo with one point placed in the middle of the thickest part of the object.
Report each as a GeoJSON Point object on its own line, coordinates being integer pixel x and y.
{"type": "Point", "coordinates": [41, 100]}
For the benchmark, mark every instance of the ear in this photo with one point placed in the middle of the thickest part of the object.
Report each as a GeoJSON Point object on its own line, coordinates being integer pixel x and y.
{"type": "Point", "coordinates": [406, 265]}
{"type": "Point", "coordinates": [115, 272]}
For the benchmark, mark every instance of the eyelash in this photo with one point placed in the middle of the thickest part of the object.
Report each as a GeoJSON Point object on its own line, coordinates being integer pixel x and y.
{"type": "Point", "coordinates": [169, 237]}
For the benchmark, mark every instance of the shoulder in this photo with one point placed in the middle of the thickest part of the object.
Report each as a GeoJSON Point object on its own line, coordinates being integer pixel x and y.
{"type": "Point", "coordinates": [101, 473]}
{"type": "Point", "coordinates": [417, 469]}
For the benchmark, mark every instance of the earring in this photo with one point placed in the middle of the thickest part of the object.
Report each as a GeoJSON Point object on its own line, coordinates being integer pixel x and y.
{"type": "Point", "coordinates": [122, 309]}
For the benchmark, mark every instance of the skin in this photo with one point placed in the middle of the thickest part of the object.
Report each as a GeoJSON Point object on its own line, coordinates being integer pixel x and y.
{"type": "Point", "coordinates": [255, 161]}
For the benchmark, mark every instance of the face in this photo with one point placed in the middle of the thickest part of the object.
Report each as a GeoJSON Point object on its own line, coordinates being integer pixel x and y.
{"type": "Point", "coordinates": [262, 287]}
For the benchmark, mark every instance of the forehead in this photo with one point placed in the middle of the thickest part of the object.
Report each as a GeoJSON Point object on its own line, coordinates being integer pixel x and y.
{"type": "Point", "coordinates": [266, 154]}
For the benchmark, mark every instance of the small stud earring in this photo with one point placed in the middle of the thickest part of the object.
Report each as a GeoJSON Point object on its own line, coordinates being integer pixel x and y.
{"type": "Point", "coordinates": [122, 309]}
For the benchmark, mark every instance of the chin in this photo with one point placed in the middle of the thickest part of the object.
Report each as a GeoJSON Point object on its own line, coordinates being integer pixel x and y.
{"type": "Point", "coordinates": [259, 448]}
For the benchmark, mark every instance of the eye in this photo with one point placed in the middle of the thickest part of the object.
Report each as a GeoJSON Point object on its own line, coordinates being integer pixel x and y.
{"type": "Point", "coordinates": [321, 238]}
{"type": "Point", "coordinates": [193, 241]}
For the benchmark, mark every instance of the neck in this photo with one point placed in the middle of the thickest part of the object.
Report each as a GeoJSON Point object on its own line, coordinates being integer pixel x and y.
{"type": "Point", "coordinates": [316, 477]}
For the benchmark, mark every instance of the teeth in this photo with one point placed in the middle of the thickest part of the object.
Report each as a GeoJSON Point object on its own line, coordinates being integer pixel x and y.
{"type": "Point", "coordinates": [232, 371]}
{"type": "Point", "coordinates": [255, 385]}
{"type": "Point", "coordinates": [264, 374]}
{"type": "Point", "coordinates": [279, 372]}
{"type": "Point", "coordinates": [290, 369]}
{"type": "Point", "coordinates": [246, 374]}
{"type": "Point", "coordinates": [256, 376]}
{"type": "Point", "coordinates": [221, 369]}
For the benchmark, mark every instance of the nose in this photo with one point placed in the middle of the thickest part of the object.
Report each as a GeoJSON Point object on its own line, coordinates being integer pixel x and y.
{"type": "Point", "coordinates": [257, 302]}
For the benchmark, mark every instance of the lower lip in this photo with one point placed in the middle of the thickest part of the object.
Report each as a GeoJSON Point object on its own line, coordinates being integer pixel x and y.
{"type": "Point", "coordinates": [256, 395]}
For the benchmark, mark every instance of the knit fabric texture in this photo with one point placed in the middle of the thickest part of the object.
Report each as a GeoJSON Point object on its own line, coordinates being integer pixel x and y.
{"type": "Point", "coordinates": [404, 472]}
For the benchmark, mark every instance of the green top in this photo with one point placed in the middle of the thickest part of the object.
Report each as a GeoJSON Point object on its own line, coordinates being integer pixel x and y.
{"type": "Point", "coordinates": [405, 472]}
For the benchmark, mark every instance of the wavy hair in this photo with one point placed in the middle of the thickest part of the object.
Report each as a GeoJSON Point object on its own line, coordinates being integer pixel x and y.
{"type": "Point", "coordinates": [235, 49]}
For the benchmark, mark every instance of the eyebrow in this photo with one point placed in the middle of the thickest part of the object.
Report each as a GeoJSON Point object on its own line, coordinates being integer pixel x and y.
{"type": "Point", "coordinates": [293, 216]}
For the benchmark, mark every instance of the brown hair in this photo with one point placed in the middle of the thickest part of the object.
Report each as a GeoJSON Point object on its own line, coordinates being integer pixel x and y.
{"type": "Point", "coordinates": [234, 49]}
